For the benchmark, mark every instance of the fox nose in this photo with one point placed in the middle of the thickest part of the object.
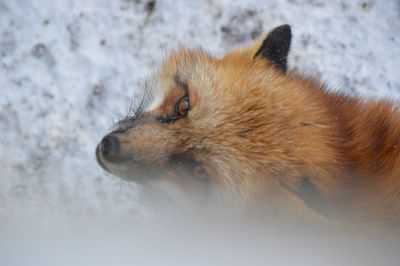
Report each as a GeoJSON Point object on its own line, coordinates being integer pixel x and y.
{"type": "Point", "coordinates": [109, 147]}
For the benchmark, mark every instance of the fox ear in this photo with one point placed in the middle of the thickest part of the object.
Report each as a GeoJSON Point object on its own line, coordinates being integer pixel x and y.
{"type": "Point", "coordinates": [276, 47]}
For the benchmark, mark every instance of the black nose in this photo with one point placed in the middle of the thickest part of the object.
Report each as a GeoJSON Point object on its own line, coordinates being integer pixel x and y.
{"type": "Point", "coordinates": [109, 147]}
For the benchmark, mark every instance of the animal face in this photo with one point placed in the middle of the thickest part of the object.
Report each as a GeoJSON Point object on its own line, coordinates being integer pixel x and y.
{"type": "Point", "coordinates": [205, 122]}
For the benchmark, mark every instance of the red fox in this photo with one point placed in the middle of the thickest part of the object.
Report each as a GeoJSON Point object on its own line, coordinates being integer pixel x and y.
{"type": "Point", "coordinates": [244, 131]}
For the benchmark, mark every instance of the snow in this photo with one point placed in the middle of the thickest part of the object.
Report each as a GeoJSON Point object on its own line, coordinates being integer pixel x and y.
{"type": "Point", "coordinates": [69, 68]}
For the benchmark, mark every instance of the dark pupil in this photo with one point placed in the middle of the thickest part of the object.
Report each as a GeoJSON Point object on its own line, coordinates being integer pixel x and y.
{"type": "Point", "coordinates": [182, 106]}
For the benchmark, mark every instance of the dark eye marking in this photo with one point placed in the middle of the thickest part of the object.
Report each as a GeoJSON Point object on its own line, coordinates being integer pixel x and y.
{"type": "Point", "coordinates": [181, 83]}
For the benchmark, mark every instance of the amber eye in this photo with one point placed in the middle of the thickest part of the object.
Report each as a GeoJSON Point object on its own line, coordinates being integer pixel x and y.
{"type": "Point", "coordinates": [182, 106]}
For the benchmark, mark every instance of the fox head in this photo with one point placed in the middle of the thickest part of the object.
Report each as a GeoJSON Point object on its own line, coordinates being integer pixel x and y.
{"type": "Point", "coordinates": [215, 125]}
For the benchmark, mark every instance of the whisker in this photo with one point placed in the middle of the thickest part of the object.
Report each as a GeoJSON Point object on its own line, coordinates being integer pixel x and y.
{"type": "Point", "coordinates": [136, 107]}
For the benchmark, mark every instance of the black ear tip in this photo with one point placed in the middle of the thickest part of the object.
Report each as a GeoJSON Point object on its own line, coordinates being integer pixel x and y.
{"type": "Point", "coordinates": [276, 46]}
{"type": "Point", "coordinates": [284, 29]}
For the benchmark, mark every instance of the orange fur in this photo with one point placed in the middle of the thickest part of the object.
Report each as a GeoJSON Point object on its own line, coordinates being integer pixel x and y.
{"type": "Point", "coordinates": [260, 135]}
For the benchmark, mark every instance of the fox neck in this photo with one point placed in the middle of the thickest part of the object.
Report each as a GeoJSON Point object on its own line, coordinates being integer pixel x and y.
{"type": "Point", "coordinates": [358, 153]}
{"type": "Point", "coordinates": [370, 135]}
{"type": "Point", "coordinates": [305, 144]}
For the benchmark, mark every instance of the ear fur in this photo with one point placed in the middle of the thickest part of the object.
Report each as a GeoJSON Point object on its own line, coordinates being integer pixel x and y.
{"type": "Point", "coordinates": [276, 47]}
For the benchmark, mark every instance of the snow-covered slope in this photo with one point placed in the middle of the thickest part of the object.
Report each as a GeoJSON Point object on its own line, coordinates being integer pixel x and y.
{"type": "Point", "coordinates": [69, 67]}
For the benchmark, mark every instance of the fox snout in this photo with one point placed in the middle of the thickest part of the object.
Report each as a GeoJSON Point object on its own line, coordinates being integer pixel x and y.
{"type": "Point", "coordinates": [137, 148]}
{"type": "Point", "coordinates": [115, 157]}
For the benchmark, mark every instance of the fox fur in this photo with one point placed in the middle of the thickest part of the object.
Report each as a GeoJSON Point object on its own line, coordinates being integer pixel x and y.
{"type": "Point", "coordinates": [259, 138]}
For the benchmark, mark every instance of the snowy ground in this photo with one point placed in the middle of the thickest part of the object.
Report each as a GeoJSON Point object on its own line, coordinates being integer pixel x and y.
{"type": "Point", "coordinates": [69, 67]}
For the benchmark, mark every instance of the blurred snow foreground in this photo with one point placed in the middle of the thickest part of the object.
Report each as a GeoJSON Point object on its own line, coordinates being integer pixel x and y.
{"type": "Point", "coordinates": [69, 68]}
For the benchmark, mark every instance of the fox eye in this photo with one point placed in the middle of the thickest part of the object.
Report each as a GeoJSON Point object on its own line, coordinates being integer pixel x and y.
{"type": "Point", "coordinates": [182, 107]}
